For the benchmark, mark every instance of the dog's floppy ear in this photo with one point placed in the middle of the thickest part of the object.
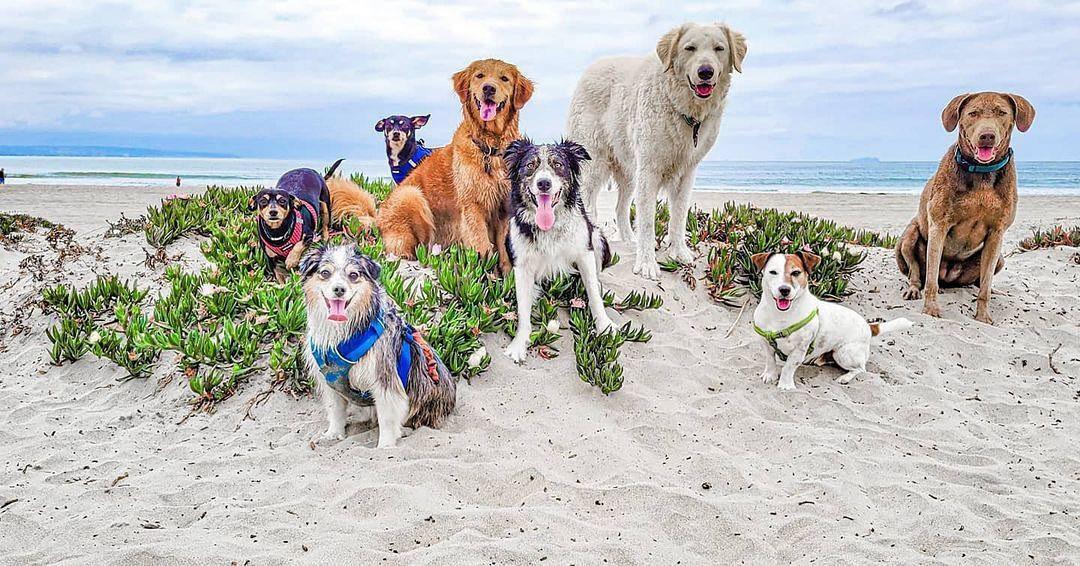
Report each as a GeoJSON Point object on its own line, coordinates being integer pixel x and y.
{"type": "Point", "coordinates": [575, 150]}
{"type": "Point", "coordinates": [737, 44]}
{"type": "Point", "coordinates": [809, 260]}
{"type": "Point", "coordinates": [460, 81]}
{"type": "Point", "coordinates": [370, 268]}
{"type": "Point", "coordinates": [311, 260]}
{"type": "Point", "coordinates": [420, 121]}
{"type": "Point", "coordinates": [1025, 112]}
{"type": "Point", "coordinates": [759, 260]}
{"type": "Point", "coordinates": [950, 116]}
{"type": "Point", "coordinates": [523, 91]}
{"type": "Point", "coordinates": [251, 204]}
{"type": "Point", "coordinates": [512, 157]}
{"type": "Point", "coordinates": [668, 46]}
{"type": "Point", "coordinates": [297, 204]}
{"type": "Point", "coordinates": [380, 125]}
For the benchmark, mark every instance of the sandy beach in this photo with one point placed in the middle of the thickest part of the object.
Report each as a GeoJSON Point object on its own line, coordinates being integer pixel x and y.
{"type": "Point", "coordinates": [964, 450]}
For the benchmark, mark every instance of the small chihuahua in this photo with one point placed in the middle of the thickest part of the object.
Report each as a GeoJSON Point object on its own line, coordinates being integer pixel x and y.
{"type": "Point", "coordinates": [403, 151]}
{"type": "Point", "coordinates": [798, 327]}
{"type": "Point", "coordinates": [361, 351]}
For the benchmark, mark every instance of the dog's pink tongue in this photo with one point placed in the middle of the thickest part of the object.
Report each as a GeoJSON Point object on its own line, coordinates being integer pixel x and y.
{"type": "Point", "coordinates": [783, 304]}
{"type": "Point", "coordinates": [488, 111]}
{"type": "Point", "coordinates": [704, 89]}
{"type": "Point", "coordinates": [984, 153]}
{"type": "Point", "coordinates": [337, 309]}
{"type": "Point", "coordinates": [545, 213]}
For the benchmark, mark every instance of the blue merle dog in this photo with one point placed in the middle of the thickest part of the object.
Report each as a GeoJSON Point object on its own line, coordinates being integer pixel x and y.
{"type": "Point", "coordinates": [362, 352]}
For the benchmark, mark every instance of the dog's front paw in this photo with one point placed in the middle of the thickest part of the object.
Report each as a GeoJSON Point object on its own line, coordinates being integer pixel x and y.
{"type": "Point", "coordinates": [647, 268]}
{"type": "Point", "coordinates": [517, 352]}
{"type": "Point", "coordinates": [332, 435]}
{"type": "Point", "coordinates": [604, 324]}
{"type": "Point", "coordinates": [768, 377]}
{"type": "Point", "coordinates": [912, 293]}
{"type": "Point", "coordinates": [292, 263]}
{"type": "Point", "coordinates": [786, 385]}
{"type": "Point", "coordinates": [681, 254]}
{"type": "Point", "coordinates": [932, 309]}
{"type": "Point", "coordinates": [984, 317]}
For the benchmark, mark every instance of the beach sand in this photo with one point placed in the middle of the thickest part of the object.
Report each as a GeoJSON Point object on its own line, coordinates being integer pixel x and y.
{"type": "Point", "coordinates": [964, 450]}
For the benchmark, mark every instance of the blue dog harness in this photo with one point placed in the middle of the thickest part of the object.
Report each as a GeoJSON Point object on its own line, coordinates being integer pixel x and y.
{"type": "Point", "coordinates": [403, 169]}
{"type": "Point", "coordinates": [336, 363]}
{"type": "Point", "coordinates": [977, 168]}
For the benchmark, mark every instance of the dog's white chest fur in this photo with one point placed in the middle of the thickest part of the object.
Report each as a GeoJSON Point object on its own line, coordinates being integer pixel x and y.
{"type": "Point", "coordinates": [554, 251]}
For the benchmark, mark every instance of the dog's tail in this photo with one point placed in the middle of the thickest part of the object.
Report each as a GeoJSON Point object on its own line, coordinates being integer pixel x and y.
{"type": "Point", "coordinates": [602, 250]}
{"type": "Point", "coordinates": [333, 168]}
{"type": "Point", "coordinates": [879, 328]}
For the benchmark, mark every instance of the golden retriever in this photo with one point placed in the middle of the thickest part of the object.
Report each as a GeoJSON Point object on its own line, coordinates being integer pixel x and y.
{"type": "Point", "coordinates": [457, 194]}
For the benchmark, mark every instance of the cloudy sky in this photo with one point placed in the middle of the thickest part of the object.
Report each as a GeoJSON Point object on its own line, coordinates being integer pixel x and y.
{"type": "Point", "coordinates": [829, 79]}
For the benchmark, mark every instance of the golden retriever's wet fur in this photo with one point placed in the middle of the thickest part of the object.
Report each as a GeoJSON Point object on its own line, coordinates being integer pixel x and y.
{"type": "Point", "coordinates": [955, 237]}
{"type": "Point", "coordinates": [457, 194]}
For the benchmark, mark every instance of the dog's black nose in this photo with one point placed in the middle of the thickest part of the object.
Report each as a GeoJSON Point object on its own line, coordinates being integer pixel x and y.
{"type": "Point", "coordinates": [395, 136]}
{"type": "Point", "coordinates": [544, 185]}
{"type": "Point", "coordinates": [785, 291]}
{"type": "Point", "coordinates": [705, 72]}
{"type": "Point", "coordinates": [489, 90]}
{"type": "Point", "coordinates": [987, 138]}
{"type": "Point", "coordinates": [339, 291]}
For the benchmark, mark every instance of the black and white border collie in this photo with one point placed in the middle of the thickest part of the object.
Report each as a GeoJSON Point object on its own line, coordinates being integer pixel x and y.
{"type": "Point", "coordinates": [550, 232]}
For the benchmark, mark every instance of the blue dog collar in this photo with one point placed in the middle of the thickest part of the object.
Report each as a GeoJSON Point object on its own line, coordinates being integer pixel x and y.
{"type": "Point", "coordinates": [401, 171]}
{"type": "Point", "coordinates": [334, 364]}
{"type": "Point", "coordinates": [977, 168]}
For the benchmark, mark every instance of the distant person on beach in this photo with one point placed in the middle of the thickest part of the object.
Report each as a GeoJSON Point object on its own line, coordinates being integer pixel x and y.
{"type": "Point", "coordinates": [177, 180]}
{"type": "Point", "coordinates": [2, 178]}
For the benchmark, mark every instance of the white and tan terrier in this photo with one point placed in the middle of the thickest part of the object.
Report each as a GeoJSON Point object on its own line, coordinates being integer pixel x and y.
{"type": "Point", "coordinates": [798, 327]}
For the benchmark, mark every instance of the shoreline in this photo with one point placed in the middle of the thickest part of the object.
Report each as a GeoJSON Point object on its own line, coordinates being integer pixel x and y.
{"type": "Point", "coordinates": [881, 211]}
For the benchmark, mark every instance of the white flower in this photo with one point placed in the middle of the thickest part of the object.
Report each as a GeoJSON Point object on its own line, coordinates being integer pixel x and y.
{"type": "Point", "coordinates": [207, 289]}
{"type": "Point", "coordinates": [837, 255]}
{"type": "Point", "coordinates": [436, 249]}
{"type": "Point", "coordinates": [477, 357]}
{"type": "Point", "coordinates": [94, 337]}
{"type": "Point", "coordinates": [553, 325]}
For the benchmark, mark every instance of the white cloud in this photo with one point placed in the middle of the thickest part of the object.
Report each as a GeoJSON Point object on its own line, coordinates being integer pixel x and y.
{"type": "Point", "coordinates": [64, 62]}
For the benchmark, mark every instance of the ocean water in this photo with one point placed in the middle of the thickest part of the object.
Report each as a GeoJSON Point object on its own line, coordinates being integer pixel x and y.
{"type": "Point", "coordinates": [1035, 177]}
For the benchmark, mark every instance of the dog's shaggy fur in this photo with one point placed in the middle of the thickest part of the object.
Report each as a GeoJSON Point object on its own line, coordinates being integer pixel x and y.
{"type": "Point", "coordinates": [550, 231]}
{"type": "Point", "coordinates": [955, 238]}
{"type": "Point", "coordinates": [457, 194]}
{"type": "Point", "coordinates": [341, 273]}
{"type": "Point", "coordinates": [632, 115]}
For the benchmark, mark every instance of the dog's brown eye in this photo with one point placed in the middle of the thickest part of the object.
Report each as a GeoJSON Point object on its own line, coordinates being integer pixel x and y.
{"type": "Point", "coordinates": [504, 79]}
{"type": "Point", "coordinates": [479, 75]}
{"type": "Point", "coordinates": [324, 273]}
{"type": "Point", "coordinates": [719, 47]}
{"type": "Point", "coordinates": [796, 273]}
{"type": "Point", "coordinates": [354, 276]}
{"type": "Point", "coordinates": [973, 113]}
{"type": "Point", "coordinates": [773, 272]}
{"type": "Point", "coordinates": [690, 48]}
{"type": "Point", "coordinates": [558, 167]}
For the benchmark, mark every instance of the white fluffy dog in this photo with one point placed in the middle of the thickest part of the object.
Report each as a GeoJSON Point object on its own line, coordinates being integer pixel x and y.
{"type": "Point", "coordinates": [797, 326]}
{"type": "Point", "coordinates": [648, 122]}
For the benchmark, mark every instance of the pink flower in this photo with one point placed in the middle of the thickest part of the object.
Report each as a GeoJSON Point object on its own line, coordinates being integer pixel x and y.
{"type": "Point", "coordinates": [436, 249]}
{"type": "Point", "coordinates": [577, 303]}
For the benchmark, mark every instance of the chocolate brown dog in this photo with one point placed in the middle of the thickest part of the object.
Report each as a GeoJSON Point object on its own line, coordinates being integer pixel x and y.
{"type": "Point", "coordinates": [955, 238]}
{"type": "Point", "coordinates": [290, 215]}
